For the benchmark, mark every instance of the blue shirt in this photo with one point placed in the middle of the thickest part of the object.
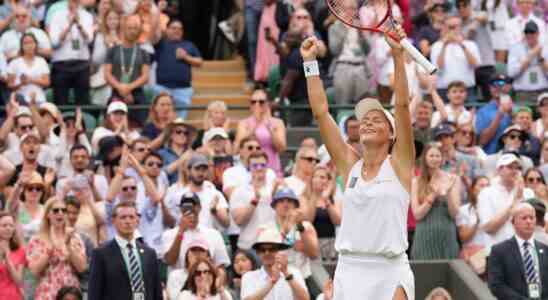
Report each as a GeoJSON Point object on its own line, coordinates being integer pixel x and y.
{"type": "Point", "coordinates": [172, 72]}
{"type": "Point", "coordinates": [484, 117]}
{"type": "Point", "coordinates": [169, 156]}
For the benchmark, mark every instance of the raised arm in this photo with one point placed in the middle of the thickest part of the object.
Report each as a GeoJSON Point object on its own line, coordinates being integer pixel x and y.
{"type": "Point", "coordinates": [342, 154]}
{"type": "Point", "coordinates": [404, 150]}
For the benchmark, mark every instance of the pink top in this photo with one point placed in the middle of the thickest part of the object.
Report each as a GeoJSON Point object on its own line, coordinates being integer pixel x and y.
{"type": "Point", "coordinates": [57, 274]}
{"type": "Point", "coordinates": [264, 135]}
{"type": "Point", "coordinates": [8, 288]}
{"type": "Point", "coordinates": [266, 52]}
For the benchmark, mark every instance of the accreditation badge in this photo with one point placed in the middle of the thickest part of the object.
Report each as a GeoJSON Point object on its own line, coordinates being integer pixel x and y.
{"type": "Point", "coordinates": [139, 296]}
{"type": "Point", "coordinates": [534, 290]}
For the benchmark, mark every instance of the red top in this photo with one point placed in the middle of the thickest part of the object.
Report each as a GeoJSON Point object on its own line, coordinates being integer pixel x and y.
{"type": "Point", "coordinates": [8, 288]}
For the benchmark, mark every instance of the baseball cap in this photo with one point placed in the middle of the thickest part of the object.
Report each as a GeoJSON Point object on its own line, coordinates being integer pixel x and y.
{"type": "Point", "coordinates": [541, 98]}
{"type": "Point", "coordinates": [443, 129]}
{"type": "Point", "coordinates": [499, 79]}
{"type": "Point", "coordinates": [507, 159]}
{"type": "Point", "coordinates": [50, 108]}
{"type": "Point", "coordinates": [23, 111]}
{"type": "Point", "coordinates": [530, 27]}
{"type": "Point", "coordinates": [197, 160]}
{"type": "Point", "coordinates": [521, 108]}
{"type": "Point", "coordinates": [116, 106]}
{"type": "Point", "coordinates": [189, 197]}
{"type": "Point", "coordinates": [284, 193]}
{"type": "Point", "coordinates": [213, 132]}
{"type": "Point", "coordinates": [199, 242]}
{"type": "Point", "coordinates": [368, 104]}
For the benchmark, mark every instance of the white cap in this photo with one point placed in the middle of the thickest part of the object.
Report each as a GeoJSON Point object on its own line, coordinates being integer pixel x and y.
{"type": "Point", "coordinates": [117, 106]}
{"type": "Point", "coordinates": [270, 235]}
{"type": "Point", "coordinates": [368, 104]}
{"type": "Point", "coordinates": [542, 97]}
{"type": "Point", "coordinates": [213, 132]}
{"type": "Point", "coordinates": [23, 110]}
{"type": "Point", "coordinates": [507, 159]}
{"type": "Point", "coordinates": [50, 108]}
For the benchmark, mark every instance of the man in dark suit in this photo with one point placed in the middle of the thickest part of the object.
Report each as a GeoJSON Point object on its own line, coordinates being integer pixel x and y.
{"type": "Point", "coordinates": [518, 267]}
{"type": "Point", "coordinates": [124, 268]}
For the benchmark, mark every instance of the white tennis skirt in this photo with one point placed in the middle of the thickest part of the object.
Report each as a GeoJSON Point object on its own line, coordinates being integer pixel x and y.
{"type": "Point", "coordinates": [372, 277]}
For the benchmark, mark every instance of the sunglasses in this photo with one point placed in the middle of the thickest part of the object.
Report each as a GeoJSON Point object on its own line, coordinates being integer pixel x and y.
{"type": "Point", "coordinates": [202, 272]}
{"type": "Point", "coordinates": [21, 16]}
{"type": "Point", "coordinates": [313, 160]}
{"type": "Point", "coordinates": [36, 189]}
{"type": "Point", "coordinates": [498, 83]}
{"type": "Point", "coordinates": [302, 17]}
{"type": "Point", "coordinates": [260, 102]}
{"type": "Point", "coordinates": [59, 210]}
{"type": "Point", "coordinates": [253, 148]}
{"type": "Point", "coordinates": [129, 188]}
{"type": "Point", "coordinates": [534, 180]}
{"type": "Point", "coordinates": [466, 133]}
{"type": "Point", "coordinates": [26, 127]}
{"type": "Point", "coordinates": [155, 164]}
{"type": "Point", "coordinates": [257, 166]}
{"type": "Point", "coordinates": [141, 150]}
{"type": "Point", "coordinates": [181, 132]}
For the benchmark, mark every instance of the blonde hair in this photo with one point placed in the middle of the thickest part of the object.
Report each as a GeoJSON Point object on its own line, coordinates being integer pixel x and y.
{"type": "Point", "coordinates": [437, 292]}
{"type": "Point", "coordinates": [308, 193]}
{"type": "Point", "coordinates": [216, 105]}
{"type": "Point", "coordinates": [45, 225]}
{"type": "Point", "coordinates": [103, 22]}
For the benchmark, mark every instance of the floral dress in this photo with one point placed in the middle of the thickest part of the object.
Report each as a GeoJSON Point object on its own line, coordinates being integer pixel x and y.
{"type": "Point", "coordinates": [58, 273]}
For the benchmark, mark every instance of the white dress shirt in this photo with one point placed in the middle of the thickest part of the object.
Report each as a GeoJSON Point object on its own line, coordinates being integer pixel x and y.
{"type": "Point", "coordinates": [456, 66]}
{"type": "Point", "coordinates": [64, 50]}
{"type": "Point", "coordinates": [492, 200]}
{"type": "Point", "coordinates": [254, 281]}
{"type": "Point", "coordinates": [514, 29]}
{"type": "Point", "coordinates": [531, 79]}
{"type": "Point", "coordinates": [532, 249]}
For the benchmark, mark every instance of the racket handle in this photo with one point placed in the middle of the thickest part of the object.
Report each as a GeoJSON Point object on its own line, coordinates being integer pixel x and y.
{"type": "Point", "coordinates": [418, 57]}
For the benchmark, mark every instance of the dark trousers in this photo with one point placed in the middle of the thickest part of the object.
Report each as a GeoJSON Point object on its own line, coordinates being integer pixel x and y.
{"type": "Point", "coordinates": [483, 74]}
{"type": "Point", "coordinates": [66, 75]}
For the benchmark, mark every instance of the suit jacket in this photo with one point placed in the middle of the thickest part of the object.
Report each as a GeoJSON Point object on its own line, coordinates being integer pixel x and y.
{"type": "Point", "coordinates": [506, 271]}
{"type": "Point", "coordinates": [109, 278]}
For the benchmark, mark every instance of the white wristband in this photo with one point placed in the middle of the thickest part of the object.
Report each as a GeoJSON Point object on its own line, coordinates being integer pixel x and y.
{"type": "Point", "coordinates": [311, 68]}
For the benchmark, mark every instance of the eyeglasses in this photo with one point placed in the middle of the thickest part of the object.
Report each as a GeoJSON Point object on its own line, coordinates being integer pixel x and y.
{"type": "Point", "coordinates": [26, 127]}
{"type": "Point", "coordinates": [35, 189]}
{"type": "Point", "coordinates": [267, 249]}
{"type": "Point", "coordinates": [202, 272]}
{"type": "Point", "coordinates": [257, 166]}
{"type": "Point", "coordinates": [260, 102]}
{"type": "Point", "coordinates": [313, 160]}
{"type": "Point", "coordinates": [466, 133]}
{"type": "Point", "coordinates": [129, 188]}
{"type": "Point", "coordinates": [534, 180]}
{"type": "Point", "coordinates": [253, 148]}
{"type": "Point", "coordinates": [181, 132]}
{"type": "Point", "coordinates": [59, 210]}
{"type": "Point", "coordinates": [514, 136]}
{"type": "Point", "coordinates": [155, 164]}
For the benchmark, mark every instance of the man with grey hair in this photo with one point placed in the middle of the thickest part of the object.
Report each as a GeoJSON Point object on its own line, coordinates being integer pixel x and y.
{"type": "Point", "coordinates": [518, 267]}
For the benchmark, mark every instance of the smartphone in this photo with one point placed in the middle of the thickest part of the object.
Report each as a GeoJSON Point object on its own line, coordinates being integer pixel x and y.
{"type": "Point", "coordinates": [79, 182]}
{"type": "Point", "coordinates": [187, 207]}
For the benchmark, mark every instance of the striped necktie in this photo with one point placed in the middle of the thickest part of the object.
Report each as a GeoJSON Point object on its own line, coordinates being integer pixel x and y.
{"type": "Point", "coordinates": [135, 275]}
{"type": "Point", "coordinates": [530, 271]}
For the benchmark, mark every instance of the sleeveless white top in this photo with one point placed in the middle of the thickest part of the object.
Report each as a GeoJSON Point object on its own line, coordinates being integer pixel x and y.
{"type": "Point", "coordinates": [374, 214]}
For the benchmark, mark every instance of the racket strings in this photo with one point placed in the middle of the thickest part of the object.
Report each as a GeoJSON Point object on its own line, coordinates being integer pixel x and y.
{"type": "Point", "coordinates": [360, 13]}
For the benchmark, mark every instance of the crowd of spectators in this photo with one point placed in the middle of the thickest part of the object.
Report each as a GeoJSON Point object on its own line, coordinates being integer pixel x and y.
{"type": "Point", "coordinates": [223, 214]}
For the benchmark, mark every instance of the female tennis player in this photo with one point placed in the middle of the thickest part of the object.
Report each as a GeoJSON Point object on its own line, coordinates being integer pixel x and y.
{"type": "Point", "coordinates": [373, 236]}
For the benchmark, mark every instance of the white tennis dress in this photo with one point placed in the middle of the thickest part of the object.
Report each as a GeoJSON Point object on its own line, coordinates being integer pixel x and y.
{"type": "Point", "coordinates": [373, 238]}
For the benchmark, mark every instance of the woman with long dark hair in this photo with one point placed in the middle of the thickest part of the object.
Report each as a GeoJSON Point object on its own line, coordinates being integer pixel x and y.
{"type": "Point", "coordinates": [12, 259]}
{"type": "Point", "coordinates": [202, 283]}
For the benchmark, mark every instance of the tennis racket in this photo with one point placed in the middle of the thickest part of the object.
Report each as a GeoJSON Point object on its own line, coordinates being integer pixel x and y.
{"type": "Point", "coordinates": [376, 16]}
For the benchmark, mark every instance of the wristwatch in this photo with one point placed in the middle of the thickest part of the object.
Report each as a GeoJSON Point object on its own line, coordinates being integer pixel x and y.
{"type": "Point", "coordinates": [213, 211]}
{"type": "Point", "coordinates": [300, 227]}
{"type": "Point", "coordinates": [289, 277]}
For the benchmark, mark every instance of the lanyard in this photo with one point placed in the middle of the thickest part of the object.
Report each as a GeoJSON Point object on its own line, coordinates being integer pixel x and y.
{"type": "Point", "coordinates": [127, 71]}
